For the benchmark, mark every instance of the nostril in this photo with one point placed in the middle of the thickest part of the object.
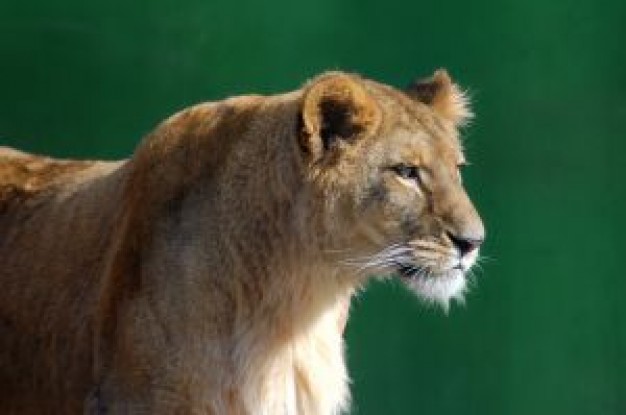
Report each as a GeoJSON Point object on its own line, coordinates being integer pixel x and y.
{"type": "Point", "coordinates": [464, 245]}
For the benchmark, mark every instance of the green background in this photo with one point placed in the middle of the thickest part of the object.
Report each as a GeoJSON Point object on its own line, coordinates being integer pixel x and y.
{"type": "Point", "coordinates": [544, 327]}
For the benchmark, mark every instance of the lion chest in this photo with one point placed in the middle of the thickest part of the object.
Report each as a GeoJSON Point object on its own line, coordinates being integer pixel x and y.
{"type": "Point", "coordinates": [307, 375]}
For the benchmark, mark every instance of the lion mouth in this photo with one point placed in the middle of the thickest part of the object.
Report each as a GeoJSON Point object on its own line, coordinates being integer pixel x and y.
{"type": "Point", "coordinates": [414, 272]}
{"type": "Point", "coordinates": [406, 271]}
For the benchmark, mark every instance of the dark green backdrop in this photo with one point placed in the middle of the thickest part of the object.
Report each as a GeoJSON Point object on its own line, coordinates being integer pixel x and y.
{"type": "Point", "coordinates": [544, 329]}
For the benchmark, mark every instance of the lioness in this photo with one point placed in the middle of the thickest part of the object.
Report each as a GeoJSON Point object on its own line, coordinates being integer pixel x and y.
{"type": "Point", "coordinates": [211, 272]}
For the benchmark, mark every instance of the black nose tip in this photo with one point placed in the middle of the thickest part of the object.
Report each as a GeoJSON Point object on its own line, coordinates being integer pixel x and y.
{"type": "Point", "coordinates": [463, 244]}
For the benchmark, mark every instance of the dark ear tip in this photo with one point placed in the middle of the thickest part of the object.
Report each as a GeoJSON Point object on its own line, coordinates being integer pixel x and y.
{"type": "Point", "coordinates": [426, 90]}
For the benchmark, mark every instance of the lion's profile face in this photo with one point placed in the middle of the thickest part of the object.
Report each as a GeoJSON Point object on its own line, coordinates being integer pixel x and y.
{"type": "Point", "coordinates": [395, 158]}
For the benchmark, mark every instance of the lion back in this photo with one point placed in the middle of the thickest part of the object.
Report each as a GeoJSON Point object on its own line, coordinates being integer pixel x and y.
{"type": "Point", "coordinates": [23, 175]}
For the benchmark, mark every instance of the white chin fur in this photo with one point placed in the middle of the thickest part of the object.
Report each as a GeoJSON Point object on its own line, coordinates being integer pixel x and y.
{"type": "Point", "coordinates": [441, 288]}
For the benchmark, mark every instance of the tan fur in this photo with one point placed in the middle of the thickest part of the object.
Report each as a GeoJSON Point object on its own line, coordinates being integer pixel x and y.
{"type": "Point", "coordinates": [207, 274]}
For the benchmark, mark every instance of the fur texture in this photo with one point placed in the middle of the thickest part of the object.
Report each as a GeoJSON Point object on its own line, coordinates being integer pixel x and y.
{"type": "Point", "coordinates": [211, 272]}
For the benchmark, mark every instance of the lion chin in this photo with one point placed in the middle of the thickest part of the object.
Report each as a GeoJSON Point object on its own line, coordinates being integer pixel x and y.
{"type": "Point", "coordinates": [438, 288]}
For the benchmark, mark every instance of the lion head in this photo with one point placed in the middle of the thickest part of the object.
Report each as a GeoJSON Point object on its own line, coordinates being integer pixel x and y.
{"type": "Point", "coordinates": [387, 164]}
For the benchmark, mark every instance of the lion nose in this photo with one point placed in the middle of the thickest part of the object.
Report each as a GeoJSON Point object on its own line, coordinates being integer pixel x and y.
{"type": "Point", "coordinates": [465, 245]}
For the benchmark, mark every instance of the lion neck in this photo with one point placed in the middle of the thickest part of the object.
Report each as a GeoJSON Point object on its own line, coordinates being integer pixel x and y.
{"type": "Point", "coordinates": [252, 250]}
{"type": "Point", "coordinates": [282, 306]}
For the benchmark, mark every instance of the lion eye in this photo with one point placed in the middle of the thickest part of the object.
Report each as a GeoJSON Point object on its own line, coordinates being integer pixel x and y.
{"type": "Point", "coordinates": [406, 171]}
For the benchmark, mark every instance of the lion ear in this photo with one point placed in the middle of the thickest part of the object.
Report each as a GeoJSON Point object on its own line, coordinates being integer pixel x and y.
{"type": "Point", "coordinates": [444, 96]}
{"type": "Point", "coordinates": [336, 108]}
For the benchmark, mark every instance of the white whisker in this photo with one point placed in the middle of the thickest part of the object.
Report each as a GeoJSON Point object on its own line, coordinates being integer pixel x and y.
{"type": "Point", "coordinates": [392, 255]}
